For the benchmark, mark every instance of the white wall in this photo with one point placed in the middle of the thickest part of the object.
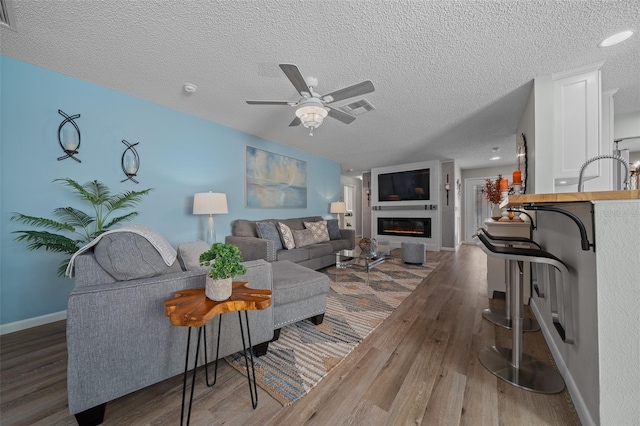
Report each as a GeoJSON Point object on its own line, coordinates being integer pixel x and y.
{"type": "Point", "coordinates": [626, 126]}
{"type": "Point", "coordinates": [527, 126]}
{"type": "Point", "coordinates": [618, 296]}
{"type": "Point", "coordinates": [448, 210]}
{"type": "Point", "coordinates": [542, 159]}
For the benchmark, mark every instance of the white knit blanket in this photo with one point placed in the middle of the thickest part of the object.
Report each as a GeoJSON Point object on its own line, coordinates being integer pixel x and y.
{"type": "Point", "coordinates": [167, 252]}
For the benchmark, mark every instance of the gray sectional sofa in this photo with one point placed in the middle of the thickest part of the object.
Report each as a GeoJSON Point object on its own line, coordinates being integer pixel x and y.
{"type": "Point", "coordinates": [315, 256]}
{"type": "Point", "coordinates": [118, 337]}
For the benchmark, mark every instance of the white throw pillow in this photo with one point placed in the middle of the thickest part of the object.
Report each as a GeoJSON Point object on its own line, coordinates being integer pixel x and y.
{"type": "Point", "coordinates": [287, 236]}
{"type": "Point", "coordinates": [319, 230]}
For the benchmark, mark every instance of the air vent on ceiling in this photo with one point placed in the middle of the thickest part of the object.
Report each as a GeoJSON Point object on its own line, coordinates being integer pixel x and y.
{"type": "Point", "coordinates": [7, 17]}
{"type": "Point", "coordinates": [358, 107]}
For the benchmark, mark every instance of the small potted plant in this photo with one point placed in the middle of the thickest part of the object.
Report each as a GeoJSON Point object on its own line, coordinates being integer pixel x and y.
{"type": "Point", "coordinates": [224, 262]}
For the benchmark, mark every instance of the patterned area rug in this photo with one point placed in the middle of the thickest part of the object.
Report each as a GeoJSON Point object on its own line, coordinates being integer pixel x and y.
{"type": "Point", "coordinates": [305, 353]}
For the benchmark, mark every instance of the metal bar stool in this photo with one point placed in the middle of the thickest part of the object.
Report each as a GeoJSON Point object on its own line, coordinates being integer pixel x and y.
{"type": "Point", "coordinates": [502, 317]}
{"type": "Point", "coordinates": [511, 365]}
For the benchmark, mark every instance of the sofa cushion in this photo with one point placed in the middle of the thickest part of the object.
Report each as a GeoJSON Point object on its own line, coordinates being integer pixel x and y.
{"type": "Point", "coordinates": [303, 237]}
{"type": "Point", "coordinates": [319, 250]}
{"type": "Point", "coordinates": [244, 228]}
{"type": "Point", "coordinates": [268, 231]}
{"type": "Point", "coordinates": [189, 255]}
{"type": "Point", "coordinates": [319, 230]}
{"type": "Point", "coordinates": [296, 255]}
{"type": "Point", "coordinates": [287, 236]}
{"type": "Point", "coordinates": [333, 229]}
{"type": "Point", "coordinates": [128, 256]}
{"type": "Point", "coordinates": [292, 283]}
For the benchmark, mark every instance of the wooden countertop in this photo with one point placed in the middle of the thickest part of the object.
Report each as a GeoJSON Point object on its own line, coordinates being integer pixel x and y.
{"type": "Point", "coordinates": [569, 197]}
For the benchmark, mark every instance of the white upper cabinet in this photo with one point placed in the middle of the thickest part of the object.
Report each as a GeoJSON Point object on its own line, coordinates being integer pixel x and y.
{"type": "Point", "coordinates": [577, 123]}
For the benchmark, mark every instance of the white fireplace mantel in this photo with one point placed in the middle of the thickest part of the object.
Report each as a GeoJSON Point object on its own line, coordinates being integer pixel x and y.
{"type": "Point", "coordinates": [429, 208]}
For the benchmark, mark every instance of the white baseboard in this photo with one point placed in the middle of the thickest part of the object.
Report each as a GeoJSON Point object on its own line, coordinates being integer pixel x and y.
{"type": "Point", "coordinates": [32, 322]}
{"type": "Point", "coordinates": [576, 396]}
{"type": "Point", "coordinates": [447, 249]}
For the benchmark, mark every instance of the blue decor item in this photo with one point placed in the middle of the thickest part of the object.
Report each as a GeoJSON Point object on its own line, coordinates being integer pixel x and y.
{"type": "Point", "coordinates": [334, 229]}
{"type": "Point", "coordinates": [268, 231]}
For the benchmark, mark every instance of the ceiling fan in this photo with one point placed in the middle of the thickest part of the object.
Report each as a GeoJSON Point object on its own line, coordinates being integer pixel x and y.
{"type": "Point", "coordinates": [312, 107]}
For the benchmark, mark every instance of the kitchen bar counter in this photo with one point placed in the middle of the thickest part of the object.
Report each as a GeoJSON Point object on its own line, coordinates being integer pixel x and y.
{"type": "Point", "coordinates": [602, 368]}
{"type": "Point", "coordinates": [568, 197]}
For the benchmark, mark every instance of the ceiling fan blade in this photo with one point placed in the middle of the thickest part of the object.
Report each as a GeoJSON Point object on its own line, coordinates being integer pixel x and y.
{"type": "Point", "coordinates": [295, 77]}
{"type": "Point", "coordinates": [271, 103]}
{"type": "Point", "coordinates": [349, 92]}
{"type": "Point", "coordinates": [341, 116]}
{"type": "Point", "coordinates": [296, 122]}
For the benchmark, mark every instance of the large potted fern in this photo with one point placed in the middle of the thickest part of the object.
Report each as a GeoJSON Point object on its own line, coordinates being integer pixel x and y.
{"type": "Point", "coordinates": [79, 227]}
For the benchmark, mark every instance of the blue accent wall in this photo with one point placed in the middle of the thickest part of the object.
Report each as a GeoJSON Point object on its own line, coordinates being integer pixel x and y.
{"type": "Point", "coordinates": [180, 155]}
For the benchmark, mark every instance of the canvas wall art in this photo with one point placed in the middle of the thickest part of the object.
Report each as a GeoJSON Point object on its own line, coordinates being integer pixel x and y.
{"type": "Point", "coordinates": [274, 180]}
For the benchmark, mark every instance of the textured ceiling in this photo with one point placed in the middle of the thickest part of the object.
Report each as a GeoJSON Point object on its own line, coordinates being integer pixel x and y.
{"type": "Point", "coordinates": [451, 78]}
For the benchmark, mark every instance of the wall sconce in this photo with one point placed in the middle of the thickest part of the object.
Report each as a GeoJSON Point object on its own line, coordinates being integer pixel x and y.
{"type": "Point", "coordinates": [69, 138]}
{"type": "Point", "coordinates": [130, 161]}
{"type": "Point", "coordinates": [447, 188]}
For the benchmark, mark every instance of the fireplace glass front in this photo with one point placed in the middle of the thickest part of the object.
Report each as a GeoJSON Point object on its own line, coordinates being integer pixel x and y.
{"type": "Point", "coordinates": [405, 226]}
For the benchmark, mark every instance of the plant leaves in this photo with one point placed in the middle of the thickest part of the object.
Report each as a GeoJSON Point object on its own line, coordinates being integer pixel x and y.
{"type": "Point", "coordinates": [74, 217]}
{"type": "Point", "coordinates": [99, 196]}
{"type": "Point", "coordinates": [125, 200]}
{"type": "Point", "coordinates": [41, 222]}
{"type": "Point", "coordinates": [119, 219]}
{"type": "Point", "coordinates": [50, 242]}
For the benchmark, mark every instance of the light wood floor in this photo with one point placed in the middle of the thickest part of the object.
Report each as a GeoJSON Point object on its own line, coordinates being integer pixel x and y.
{"type": "Point", "coordinates": [419, 367]}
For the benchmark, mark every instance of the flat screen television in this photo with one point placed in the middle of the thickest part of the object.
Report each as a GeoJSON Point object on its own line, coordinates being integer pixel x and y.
{"type": "Point", "coordinates": [409, 185]}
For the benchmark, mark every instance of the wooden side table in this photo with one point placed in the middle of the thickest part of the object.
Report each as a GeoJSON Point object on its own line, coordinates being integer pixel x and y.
{"type": "Point", "coordinates": [191, 308]}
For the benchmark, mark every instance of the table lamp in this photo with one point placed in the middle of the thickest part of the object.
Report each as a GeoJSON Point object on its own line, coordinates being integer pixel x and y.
{"type": "Point", "coordinates": [338, 207]}
{"type": "Point", "coordinates": [210, 203]}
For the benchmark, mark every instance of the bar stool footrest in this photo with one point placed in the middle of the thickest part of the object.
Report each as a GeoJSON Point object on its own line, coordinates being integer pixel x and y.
{"type": "Point", "coordinates": [533, 375]}
{"type": "Point", "coordinates": [497, 316]}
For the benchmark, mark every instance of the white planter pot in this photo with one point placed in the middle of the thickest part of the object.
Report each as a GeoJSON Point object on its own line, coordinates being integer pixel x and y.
{"type": "Point", "coordinates": [218, 290]}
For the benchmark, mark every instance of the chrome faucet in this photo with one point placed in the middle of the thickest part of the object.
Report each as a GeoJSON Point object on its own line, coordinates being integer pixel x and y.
{"type": "Point", "coordinates": [600, 157]}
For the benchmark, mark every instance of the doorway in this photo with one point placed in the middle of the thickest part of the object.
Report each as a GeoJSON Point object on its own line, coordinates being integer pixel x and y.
{"type": "Point", "coordinates": [349, 193]}
{"type": "Point", "coordinates": [476, 207]}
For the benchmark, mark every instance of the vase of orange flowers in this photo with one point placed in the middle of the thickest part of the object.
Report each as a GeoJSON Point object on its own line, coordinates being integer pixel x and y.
{"type": "Point", "coordinates": [492, 194]}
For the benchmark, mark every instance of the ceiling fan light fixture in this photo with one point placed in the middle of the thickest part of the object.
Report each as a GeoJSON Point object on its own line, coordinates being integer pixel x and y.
{"type": "Point", "coordinates": [311, 116]}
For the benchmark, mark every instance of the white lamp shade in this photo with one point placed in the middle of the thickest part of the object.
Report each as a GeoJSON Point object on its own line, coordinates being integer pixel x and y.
{"type": "Point", "coordinates": [338, 207]}
{"type": "Point", "coordinates": [210, 203]}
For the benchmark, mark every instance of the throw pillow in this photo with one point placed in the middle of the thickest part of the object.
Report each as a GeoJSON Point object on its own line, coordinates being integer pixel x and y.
{"type": "Point", "coordinates": [319, 230]}
{"type": "Point", "coordinates": [334, 229]}
{"type": "Point", "coordinates": [303, 237]}
{"type": "Point", "coordinates": [189, 255]}
{"type": "Point", "coordinates": [287, 236]}
{"type": "Point", "coordinates": [128, 256]}
{"type": "Point", "coordinates": [268, 231]}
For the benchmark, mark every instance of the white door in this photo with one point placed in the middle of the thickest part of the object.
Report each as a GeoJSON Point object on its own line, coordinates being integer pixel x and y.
{"type": "Point", "coordinates": [476, 207]}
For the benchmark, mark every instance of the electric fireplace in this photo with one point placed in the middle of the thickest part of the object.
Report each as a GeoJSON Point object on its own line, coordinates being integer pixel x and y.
{"type": "Point", "coordinates": [405, 226]}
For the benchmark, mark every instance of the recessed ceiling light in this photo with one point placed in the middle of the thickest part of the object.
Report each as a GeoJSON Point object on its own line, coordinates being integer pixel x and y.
{"type": "Point", "coordinates": [494, 158]}
{"type": "Point", "coordinates": [616, 38]}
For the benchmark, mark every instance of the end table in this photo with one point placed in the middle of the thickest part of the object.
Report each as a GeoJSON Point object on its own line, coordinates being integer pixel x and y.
{"type": "Point", "coordinates": [191, 308]}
